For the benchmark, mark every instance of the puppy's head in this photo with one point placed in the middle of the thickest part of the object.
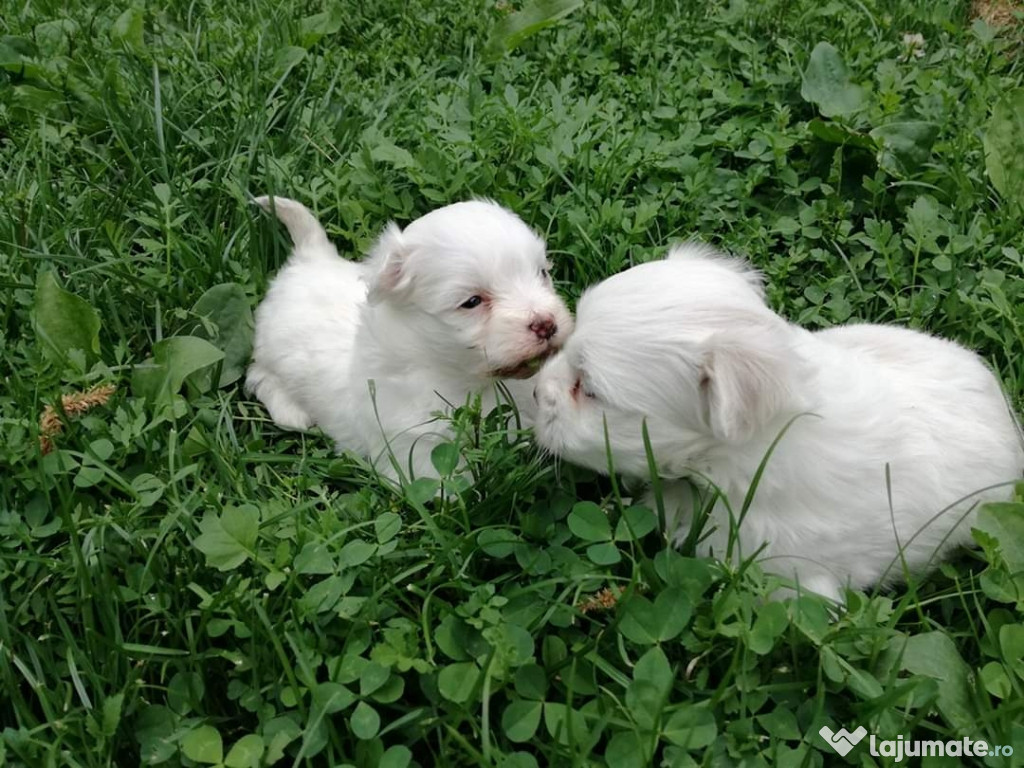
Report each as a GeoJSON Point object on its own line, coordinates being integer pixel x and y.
{"type": "Point", "coordinates": [472, 282]}
{"type": "Point", "coordinates": [686, 344]}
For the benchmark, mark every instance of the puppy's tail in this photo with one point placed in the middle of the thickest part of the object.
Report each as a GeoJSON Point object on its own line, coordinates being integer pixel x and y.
{"type": "Point", "coordinates": [307, 233]}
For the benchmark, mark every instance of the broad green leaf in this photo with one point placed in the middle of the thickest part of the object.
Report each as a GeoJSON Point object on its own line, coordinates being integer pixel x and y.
{"type": "Point", "coordinates": [553, 651]}
{"type": "Point", "coordinates": [34, 99]}
{"type": "Point", "coordinates": [996, 581]}
{"type": "Point", "coordinates": [639, 622]}
{"type": "Point", "coordinates": [128, 29]}
{"type": "Point", "coordinates": [246, 752]}
{"type": "Point", "coordinates": [786, 225]}
{"type": "Point", "coordinates": [513, 644]}
{"type": "Point", "coordinates": [589, 522]}
{"type": "Point", "coordinates": [54, 36]}
{"type": "Point", "coordinates": [16, 55]}
{"type": "Point", "coordinates": [315, 558]}
{"type": "Point", "coordinates": [398, 756]}
{"type": "Point", "coordinates": [646, 623]}
{"type": "Point", "coordinates": [498, 542]}
{"type": "Point", "coordinates": [154, 730]}
{"type": "Point", "coordinates": [934, 655]}
{"type": "Point", "coordinates": [456, 681]}
{"type": "Point", "coordinates": [1004, 524]}
{"type": "Point", "coordinates": [836, 133]}
{"type": "Point", "coordinates": [691, 727]}
{"type": "Point", "coordinates": [517, 760]}
{"type": "Point", "coordinates": [15, 51]}
{"type": "Point", "coordinates": [652, 680]}
{"type": "Point", "coordinates": [560, 719]}
{"type": "Point", "coordinates": [228, 539]}
{"type": "Point", "coordinates": [387, 526]}
{"type": "Point", "coordinates": [365, 721]}
{"type": "Point", "coordinates": [925, 222]}
{"type": "Point", "coordinates": [996, 680]}
{"type": "Point", "coordinates": [241, 524]}
{"type": "Point", "coordinates": [827, 83]}
{"type": "Point", "coordinates": [332, 697]}
{"type": "Point", "coordinates": [635, 523]}
{"type": "Point", "coordinates": [175, 360]}
{"type": "Point", "coordinates": [781, 723]}
{"type": "Point", "coordinates": [452, 637]}
{"type": "Point", "coordinates": [445, 457]}
{"type": "Point", "coordinates": [1011, 643]}
{"type": "Point", "coordinates": [278, 734]}
{"type": "Point", "coordinates": [203, 745]}
{"type": "Point", "coordinates": [520, 719]}
{"type": "Point", "coordinates": [384, 151]}
{"type": "Point", "coordinates": [1004, 147]}
{"type": "Point", "coordinates": [536, 15]}
{"type": "Point", "coordinates": [356, 552]}
{"type": "Point", "coordinates": [605, 553]}
{"type": "Point", "coordinates": [286, 60]}
{"type": "Point", "coordinates": [162, 191]}
{"type": "Point", "coordinates": [274, 579]}
{"type": "Point", "coordinates": [372, 677]}
{"type": "Point", "coordinates": [227, 309]}
{"type": "Point", "coordinates": [904, 146]}
{"type": "Point", "coordinates": [653, 667]}
{"type": "Point", "coordinates": [422, 490]}
{"type": "Point", "coordinates": [63, 321]}
{"type": "Point", "coordinates": [322, 596]}
{"type": "Point", "coordinates": [626, 750]}
{"type": "Point", "coordinates": [185, 692]}
{"type": "Point", "coordinates": [771, 622]}
{"type": "Point", "coordinates": [148, 489]}
{"type": "Point", "coordinates": [89, 474]}
{"type": "Point", "coordinates": [102, 449]}
{"type": "Point", "coordinates": [691, 574]}
{"type": "Point", "coordinates": [112, 706]}
{"type": "Point", "coordinates": [811, 617]}
{"type": "Point", "coordinates": [313, 28]}
{"type": "Point", "coordinates": [531, 682]}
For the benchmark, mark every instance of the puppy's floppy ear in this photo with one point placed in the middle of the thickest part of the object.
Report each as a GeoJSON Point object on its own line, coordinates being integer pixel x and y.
{"type": "Point", "coordinates": [747, 378]}
{"type": "Point", "coordinates": [386, 265]}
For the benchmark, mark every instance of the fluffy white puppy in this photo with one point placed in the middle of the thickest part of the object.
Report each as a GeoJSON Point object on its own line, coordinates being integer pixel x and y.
{"type": "Point", "coordinates": [370, 351]}
{"type": "Point", "coordinates": [689, 345]}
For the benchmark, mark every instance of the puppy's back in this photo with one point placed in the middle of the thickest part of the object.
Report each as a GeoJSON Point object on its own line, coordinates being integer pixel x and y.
{"type": "Point", "coordinates": [943, 387]}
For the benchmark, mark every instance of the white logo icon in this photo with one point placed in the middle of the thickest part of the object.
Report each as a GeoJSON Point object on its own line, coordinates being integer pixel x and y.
{"type": "Point", "coordinates": [842, 741]}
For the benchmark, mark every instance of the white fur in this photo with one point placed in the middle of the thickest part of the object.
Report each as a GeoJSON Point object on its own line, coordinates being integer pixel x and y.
{"type": "Point", "coordinates": [689, 345]}
{"type": "Point", "coordinates": [370, 351]}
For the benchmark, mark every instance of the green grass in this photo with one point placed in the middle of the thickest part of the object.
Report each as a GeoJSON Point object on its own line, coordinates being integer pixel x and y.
{"type": "Point", "coordinates": [182, 584]}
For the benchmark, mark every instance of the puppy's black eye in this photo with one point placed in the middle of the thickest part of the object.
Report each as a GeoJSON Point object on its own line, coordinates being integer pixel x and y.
{"type": "Point", "coordinates": [545, 274]}
{"type": "Point", "coordinates": [472, 301]}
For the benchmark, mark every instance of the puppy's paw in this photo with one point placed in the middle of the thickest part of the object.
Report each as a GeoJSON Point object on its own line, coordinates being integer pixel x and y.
{"type": "Point", "coordinates": [284, 411]}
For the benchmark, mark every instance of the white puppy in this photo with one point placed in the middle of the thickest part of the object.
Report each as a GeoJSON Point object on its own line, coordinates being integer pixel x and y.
{"type": "Point", "coordinates": [436, 314]}
{"type": "Point", "coordinates": [689, 345]}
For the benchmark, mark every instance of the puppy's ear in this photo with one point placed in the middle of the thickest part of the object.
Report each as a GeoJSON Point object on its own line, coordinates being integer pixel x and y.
{"type": "Point", "coordinates": [386, 265]}
{"type": "Point", "coordinates": [747, 378]}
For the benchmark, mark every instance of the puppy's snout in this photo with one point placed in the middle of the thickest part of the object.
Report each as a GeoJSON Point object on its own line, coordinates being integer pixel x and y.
{"type": "Point", "coordinates": [544, 327]}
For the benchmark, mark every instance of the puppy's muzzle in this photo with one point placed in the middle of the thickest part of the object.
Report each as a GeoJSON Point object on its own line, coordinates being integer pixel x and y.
{"type": "Point", "coordinates": [526, 368]}
{"type": "Point", "coordinates": [544, 328]}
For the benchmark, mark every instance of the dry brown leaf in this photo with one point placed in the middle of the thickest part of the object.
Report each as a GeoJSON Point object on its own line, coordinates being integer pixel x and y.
{"type": "Point", "coordinates": [996, 13]}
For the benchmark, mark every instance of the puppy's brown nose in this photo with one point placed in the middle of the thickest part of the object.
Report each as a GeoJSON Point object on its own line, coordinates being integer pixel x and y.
{"type": "Point", "coordinates": [544, 328]}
